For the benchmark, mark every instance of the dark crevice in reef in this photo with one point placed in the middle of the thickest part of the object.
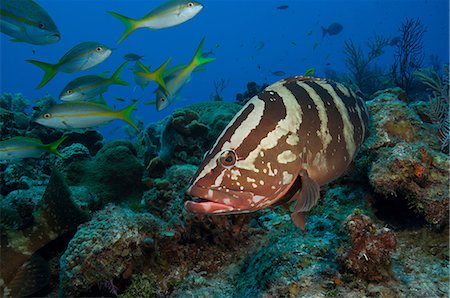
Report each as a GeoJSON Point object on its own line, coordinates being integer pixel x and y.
{"type": "Point", "coordinates": [397, 213]}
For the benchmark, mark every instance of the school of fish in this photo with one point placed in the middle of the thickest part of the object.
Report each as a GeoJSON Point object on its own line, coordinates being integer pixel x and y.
{"type": "Point", "coordinates": [83, 103]}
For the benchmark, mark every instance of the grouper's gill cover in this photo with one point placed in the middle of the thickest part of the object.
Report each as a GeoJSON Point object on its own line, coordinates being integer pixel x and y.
{"type": "Point", "coordinates": [298, 134]}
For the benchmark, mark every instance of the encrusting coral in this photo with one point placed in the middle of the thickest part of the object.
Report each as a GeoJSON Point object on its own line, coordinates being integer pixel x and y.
{"type": "Point", "coordinates": [369, 256]}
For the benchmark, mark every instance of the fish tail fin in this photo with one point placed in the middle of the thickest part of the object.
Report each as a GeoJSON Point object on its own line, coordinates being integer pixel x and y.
{"type": "Point", "coordinates": [50, 71]}
{"type": "Point", "coordinates": [157, 75]}
{"type": "Point", "coordinates": [116, 75]}
{"type": "Point", "coordinates": [53, 147]}
{"type": "Point", "coordinates": [324, 31]}
{"type": "Point", "coordinates": [198, 57]}
{"type": "Point", "coordinates": [125, 115]}
{"type": "Point", "coordinates": [130, 24]}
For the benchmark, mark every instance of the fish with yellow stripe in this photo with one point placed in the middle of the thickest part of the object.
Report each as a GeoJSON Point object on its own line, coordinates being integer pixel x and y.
{"type": "Point", "coordinates": [26, 21]}
{"type": "Point", "coordinates": [73, 115]}
{"type": "Point", "coordinates": [89, 86]}
{"type": "Point", "coordinates": [81, 57]}
{"type": "Point", "coordinates": [298, 134]}
{"type": "Point", "coordinates": [168, 14]}
{"type": "Point", "coordinates": [24, 147]}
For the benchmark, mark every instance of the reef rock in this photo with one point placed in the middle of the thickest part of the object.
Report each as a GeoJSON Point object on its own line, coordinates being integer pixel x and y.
{"type": "Point", "coordinates": [23, 271]}
{"type": "Point", "coordinates": [108, 247]}
{"type": "Point", "coordinates": [403, 158]}
{"type": "Point", "coordinates": [113, 174]}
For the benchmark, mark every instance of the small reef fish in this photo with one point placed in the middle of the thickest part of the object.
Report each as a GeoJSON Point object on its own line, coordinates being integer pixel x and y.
{"type": "Point", "coordinates": [394, 41]}
{"type": "Point", "coordinates": [143, 75]}
{"type": "Point", "coordinates": [295, 136]}
{"type": "Point", "coordinates": [81, 57]}
{"type": "Point", "coordinates": [169, 14]}
{"type": "Point", "coordinates": [315, 45]}
{"type": "Point", "coordinates": [26, 21]}
{"type": "Point", "coordinates": [177, 78]}
{"type": "Point", "coordinates": [283, 7]}
{"type": "Point", "coordinates": [278, 73]}
{"type": "Point", "coordinates": [89, 86]}
{"type": "Point", "coordinates": [72, 115]}
{"type": "Point", "coordinates": [333, 29]}
{"type": "Point", "coordinates": [309, 33]}
{"type": "Point", "coordinates": [260, 46]}
{"type": "Point", "coordinates": [132, 57]}
{"type": "Point", "coordinates": [23, 147]}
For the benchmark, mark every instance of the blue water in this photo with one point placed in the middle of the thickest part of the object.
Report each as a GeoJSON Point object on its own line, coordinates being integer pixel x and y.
{"type": "Point", "coordinates": [250, 39]}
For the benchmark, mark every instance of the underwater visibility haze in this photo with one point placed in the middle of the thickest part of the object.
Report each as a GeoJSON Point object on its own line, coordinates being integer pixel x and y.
{"type": "Point", "coordinates": [224, 148]}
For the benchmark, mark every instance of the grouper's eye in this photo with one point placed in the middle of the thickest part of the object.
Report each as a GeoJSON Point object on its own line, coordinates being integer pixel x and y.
{"type": "Point", "coordinates": [228, 158]}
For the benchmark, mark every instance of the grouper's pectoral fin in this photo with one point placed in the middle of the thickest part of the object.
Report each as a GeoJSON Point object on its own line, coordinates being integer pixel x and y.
{"type": "Point", "coordinates": [306, 199]}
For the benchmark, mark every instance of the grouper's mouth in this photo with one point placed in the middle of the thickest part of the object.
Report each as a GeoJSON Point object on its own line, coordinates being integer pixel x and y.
{"type": "Point", "coordinates": [213, 200]}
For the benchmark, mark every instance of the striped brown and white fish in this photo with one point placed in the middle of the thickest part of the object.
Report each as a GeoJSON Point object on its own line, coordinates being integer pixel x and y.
{"type": "Point", "coordinates": [297, 135]}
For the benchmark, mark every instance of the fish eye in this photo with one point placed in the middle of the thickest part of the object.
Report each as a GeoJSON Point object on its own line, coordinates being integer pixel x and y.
{"type": "Point", "coordinates": [228, 158]}
{"type": "Point", "coordinates": [98, 49]}
{"type": "Point", "coordinates": [69, 91]}
{"type": "Point", "coordinates": [190, 4]}
{"type": "Point", "coordinates": [41, 25]}
{"type": "Point", "coordinates": [47, 116]}
{"type": "Point", "coordinates": [163, 99]}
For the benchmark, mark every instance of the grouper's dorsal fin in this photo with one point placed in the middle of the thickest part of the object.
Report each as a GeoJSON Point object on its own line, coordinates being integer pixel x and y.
{"type": "Point", "coordinates": [306, 198]}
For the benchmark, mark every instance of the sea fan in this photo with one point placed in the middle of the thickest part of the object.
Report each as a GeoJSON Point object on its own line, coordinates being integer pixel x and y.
{"type": "Point", "coordinates": [439, 102]}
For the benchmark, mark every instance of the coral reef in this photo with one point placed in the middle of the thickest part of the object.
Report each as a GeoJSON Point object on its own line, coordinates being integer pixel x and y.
{"type": "Point", "coordinates": [184, 136]}
{"type": "Point", "coordinates": [13, 102]}
{"type": "Point", "coordinates": [113, 174]}
{"type": "Point", "coordinates": [47, 223]}
{"type": "Point", "coordinates": [106, 248]}
{"type": "Point", "coordinates": [370, 254]}
{"type": "Point", "coordinates": [403, 158]}
{"type": "Point", "coordinates": [252, 90]}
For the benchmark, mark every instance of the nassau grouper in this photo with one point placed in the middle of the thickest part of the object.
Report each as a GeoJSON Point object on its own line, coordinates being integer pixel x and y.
{"type": "Point", "coordinates": [296, 135]}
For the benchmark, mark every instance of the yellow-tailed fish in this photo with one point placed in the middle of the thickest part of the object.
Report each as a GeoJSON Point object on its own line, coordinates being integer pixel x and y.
{"type": "Point", "coordinates": [142, 74]}
{"type": "Point", "coordinates": [176, 79]}
{"type": "Point", "coordinates": [72, 115]}
{"type": "Point", "coordinates": [24, 147]}
{"type": "Point", "coordinates": [81, 57]}
{"type": "Point", "coordinates": [89, 86]}
{"type": "Point", "coordinates": [26, 21]}
{"type": "Point", "coordinates": [169, 14]}
{"type": "Point", "coordinates": [310, 72]}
